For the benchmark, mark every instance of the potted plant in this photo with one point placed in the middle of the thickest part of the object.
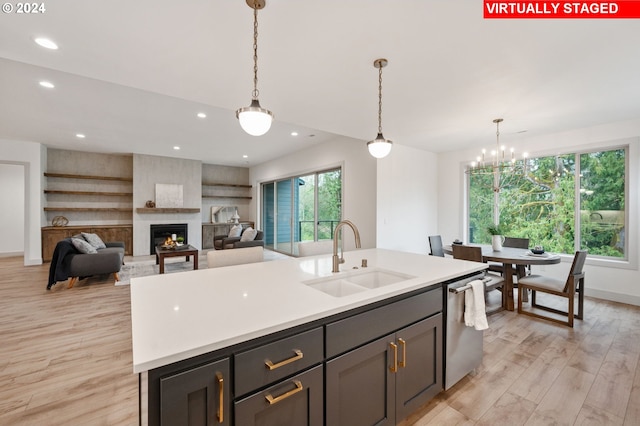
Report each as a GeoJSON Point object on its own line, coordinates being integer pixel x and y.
{"type": "Point", "coordinates": [497, 238]}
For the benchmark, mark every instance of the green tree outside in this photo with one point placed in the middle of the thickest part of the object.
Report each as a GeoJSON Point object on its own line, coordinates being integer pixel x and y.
{"type": "Point", "coordinates": [541, 204]}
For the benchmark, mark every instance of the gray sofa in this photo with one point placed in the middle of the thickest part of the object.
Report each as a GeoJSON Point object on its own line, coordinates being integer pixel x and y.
{"type": "Point", "coordinates": [222, 242]}
{"type": "Point", "coordinates": [68, 262]}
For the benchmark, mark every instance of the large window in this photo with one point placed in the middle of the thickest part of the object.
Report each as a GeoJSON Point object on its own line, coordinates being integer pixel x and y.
{"type": "Point", "coordinates": [301, 208]}
{"type": "Point", "coordinates": [564, 203]}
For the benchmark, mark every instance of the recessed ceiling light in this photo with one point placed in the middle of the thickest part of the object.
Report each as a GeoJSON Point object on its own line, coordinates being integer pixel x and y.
{"type": "Point", "coordinates": [294, 133]}
{"type": "Point", "coordinates": [47, 84]}
{"type": "Point", "coordinates": [45, 42]}
{"type": "Point", "coordinates": [245, 156]}
{"type": "Point", "coordinates": [80, 136]}
{"type": "Point", "coordinates": [202, 115]}
{"type": "Point", "coordinates": [177, 148]}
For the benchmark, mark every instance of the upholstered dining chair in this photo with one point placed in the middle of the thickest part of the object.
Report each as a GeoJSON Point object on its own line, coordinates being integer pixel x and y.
{"type": "Point", "coordinates": [474, 254]}
{"type": "Point", "coordinates": [312, 248]}
{"type": "Point", "coordinates": [565, 289]}
{"type": "Point", "coordinates": [217, 258]}
{"type": "Point", "coordinates": [435, 244]}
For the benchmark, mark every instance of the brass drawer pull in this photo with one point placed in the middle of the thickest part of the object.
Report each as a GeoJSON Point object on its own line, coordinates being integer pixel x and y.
{"type": "Point", "coordinates": [221, 395]}
{"type": "Point", "coordinates": [403, 343]}
{"type": "Point", "coordinates": [271, 366]}
{"type": "Point", "coordinates": [394, 367]}
{"type": "Point", "coordinates": [286, 395]}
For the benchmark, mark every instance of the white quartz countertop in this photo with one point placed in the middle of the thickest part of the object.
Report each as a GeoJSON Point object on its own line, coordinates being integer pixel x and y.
{"type": "Point", "coordinates": [181, 315]}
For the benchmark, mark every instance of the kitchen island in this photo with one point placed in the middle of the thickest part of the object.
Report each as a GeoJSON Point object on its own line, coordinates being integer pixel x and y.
{"type": "Point", "coordinates": [198, 334]}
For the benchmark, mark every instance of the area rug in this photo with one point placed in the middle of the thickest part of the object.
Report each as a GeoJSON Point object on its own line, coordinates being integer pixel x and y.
{"type": "Point", "coordinates": [144, 268]}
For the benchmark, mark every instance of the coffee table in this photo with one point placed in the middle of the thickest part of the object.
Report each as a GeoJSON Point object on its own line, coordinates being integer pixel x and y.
{"type": "Point", "coordinates": [185, 250]}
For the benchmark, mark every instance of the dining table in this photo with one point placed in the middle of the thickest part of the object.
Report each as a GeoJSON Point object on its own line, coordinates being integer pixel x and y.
{"type": "Point", "coordinates": [511, 258]}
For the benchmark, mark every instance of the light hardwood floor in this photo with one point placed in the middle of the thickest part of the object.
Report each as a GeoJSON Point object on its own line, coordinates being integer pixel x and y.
{"type": "Point", "coordinates": [65, 359]}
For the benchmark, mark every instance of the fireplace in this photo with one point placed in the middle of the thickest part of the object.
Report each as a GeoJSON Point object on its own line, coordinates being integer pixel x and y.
{"type": "Point", "coordinates": [159, 233]}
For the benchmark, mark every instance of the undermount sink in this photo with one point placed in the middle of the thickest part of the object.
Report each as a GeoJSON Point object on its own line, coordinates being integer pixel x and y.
{"type": "Point", "coordinates": [348, 283]}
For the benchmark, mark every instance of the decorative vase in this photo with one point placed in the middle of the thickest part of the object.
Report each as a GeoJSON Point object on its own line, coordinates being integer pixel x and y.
{"type": "Point", "coordinates": [496, 242]}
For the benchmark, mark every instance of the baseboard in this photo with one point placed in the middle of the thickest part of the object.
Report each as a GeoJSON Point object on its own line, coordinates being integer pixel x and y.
{"type": "Point", "coordinates": [32, 262]}
{"type": "Point", "coordinates": [613, 297]}
{"type": "Point", "coordinates": [12, 254]}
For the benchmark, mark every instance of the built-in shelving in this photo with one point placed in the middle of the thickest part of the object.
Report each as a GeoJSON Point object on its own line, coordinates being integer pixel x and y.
{"type": "Point", "coordinates": [115, 194]}
{"type": "Point", "coordinates": [166, 210]}
{"type": "Point", "coordinates": [88, 209]}
{"type": "Point", "coordinates": [72, 176]}
{"type": "Point", "coordinates": [230, 185]}
{"type": "Point", "coordinates": [241, 187]}
{"type": "Point", "coordinates": [227, 196]}
{"type": "Point", "coordinates": [69, 196]}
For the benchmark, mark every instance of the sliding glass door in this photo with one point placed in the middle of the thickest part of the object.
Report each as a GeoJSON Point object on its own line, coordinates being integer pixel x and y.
{"type": "Point", "coordinates": [301, 208]}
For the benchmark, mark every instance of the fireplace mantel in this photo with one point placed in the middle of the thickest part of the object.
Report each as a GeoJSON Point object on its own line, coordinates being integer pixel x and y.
{"type": "Point", "coordinates": [166, 210]}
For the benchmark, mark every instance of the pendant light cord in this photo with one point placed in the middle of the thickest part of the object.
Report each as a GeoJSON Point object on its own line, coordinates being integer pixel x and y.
{"type": "Point", "coordinates": [255, 92]}
{"type": "Point", "coordinates": [380, 98]}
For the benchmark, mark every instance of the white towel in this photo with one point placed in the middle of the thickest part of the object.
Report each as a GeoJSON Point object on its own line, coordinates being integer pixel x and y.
{"type": "Point", "coordinates": [474, 310]}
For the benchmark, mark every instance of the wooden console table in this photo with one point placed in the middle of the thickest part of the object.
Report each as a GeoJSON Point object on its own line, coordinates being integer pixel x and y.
{"type": "Point", "coordinates": [52, 234]}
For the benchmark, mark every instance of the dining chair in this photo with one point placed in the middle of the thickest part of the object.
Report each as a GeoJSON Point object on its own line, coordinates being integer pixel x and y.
{"type": "Point", "coordinates": [474, 254]}
{"type": "Point", "coordinates": [566, 289]}
{"type": "Point", "coordinates": [312, 248]}
{"type": "Point", "coordinates": [218, 258]}
{"type": "Point", "coordinates": [435, 244]}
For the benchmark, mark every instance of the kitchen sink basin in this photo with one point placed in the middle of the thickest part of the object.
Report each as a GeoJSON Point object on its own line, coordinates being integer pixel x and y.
{"type": "Point", "coordinates": [377, 278]}
{"type": "Point", "coordinates": [337, 287]}
{"type": "Point", "coordinates": [347, 283]}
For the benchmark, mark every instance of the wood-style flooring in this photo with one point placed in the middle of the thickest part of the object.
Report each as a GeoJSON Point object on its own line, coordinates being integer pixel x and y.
{"type": "Point", "coordinates": [65, 359]}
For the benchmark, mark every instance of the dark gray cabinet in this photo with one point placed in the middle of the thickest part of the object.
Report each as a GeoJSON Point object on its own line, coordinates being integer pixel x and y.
{"type": "Point", "coordinates": [384, 381]}
{"type": "Point", "coordinates": [374, 365]}
{"type": "Point", "coordinates": [197, 397]}
{"type": "Point", "coordinates": [360, 387]}
{"type": "Point", "coordinates": [295, 401]}
{"type": "Point", "coordinates": [419, 377]}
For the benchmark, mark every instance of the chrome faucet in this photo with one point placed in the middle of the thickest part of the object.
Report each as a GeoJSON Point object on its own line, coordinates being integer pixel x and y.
{"type": "Point", "coordinates": [337, 261]}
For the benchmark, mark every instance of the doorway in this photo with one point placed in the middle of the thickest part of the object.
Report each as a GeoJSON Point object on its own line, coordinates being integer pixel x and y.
{"type": "Point", "coordinates": [301, 208]}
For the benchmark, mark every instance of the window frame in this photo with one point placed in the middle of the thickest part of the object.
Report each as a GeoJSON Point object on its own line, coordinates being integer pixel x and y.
{"type": "Point", "coordinates": [631, 189]}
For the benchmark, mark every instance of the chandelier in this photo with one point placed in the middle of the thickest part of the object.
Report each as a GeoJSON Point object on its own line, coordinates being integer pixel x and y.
{"type": "Point", "coordinates": [379, 147]}
{"type": "Point", "coordinates": [498, 161]}
{"type": "Point", "coordinates": [254, 119]}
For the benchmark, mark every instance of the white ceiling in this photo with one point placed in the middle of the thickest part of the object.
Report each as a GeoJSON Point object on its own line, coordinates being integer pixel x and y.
{"type": "Point", "coordinates": [132, 75]}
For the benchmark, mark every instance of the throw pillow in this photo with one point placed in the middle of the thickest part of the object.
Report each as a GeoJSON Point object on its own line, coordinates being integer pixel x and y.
{"type": "Point", "coordinates": [249, 234]}
{"type": "Point", "coordinates": [94, 240]}
{"type": "Point", "coordinates": [82, 246]}
{"type": "Point", "coordinates": [235, 231]}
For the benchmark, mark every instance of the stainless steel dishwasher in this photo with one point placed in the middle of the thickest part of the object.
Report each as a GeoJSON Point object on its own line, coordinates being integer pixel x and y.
{"type": "Point", "coordinates": [463, 345]}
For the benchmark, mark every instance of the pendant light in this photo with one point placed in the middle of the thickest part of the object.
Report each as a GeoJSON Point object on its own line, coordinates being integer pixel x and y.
{"type": "Point", "coordinates": [254, 119]}
{"type": "Point", "coordinates": [379, 147]}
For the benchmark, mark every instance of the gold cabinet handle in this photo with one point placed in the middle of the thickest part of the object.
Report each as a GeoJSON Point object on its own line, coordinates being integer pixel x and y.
{"type": "Point", "coordinates": [271, 366]}
{"type": "Point", "coordinates": [221, 396]}
{"type": "Point", "coordinates": [285, 395]}
{"type": "Point", "coordinates": [403, 344]}
{"type": "Point", "coordinates": [394, 367]}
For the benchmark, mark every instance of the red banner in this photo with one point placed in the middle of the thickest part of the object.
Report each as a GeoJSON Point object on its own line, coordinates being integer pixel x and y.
{"type": "Point", "coordinates": [624, 9]}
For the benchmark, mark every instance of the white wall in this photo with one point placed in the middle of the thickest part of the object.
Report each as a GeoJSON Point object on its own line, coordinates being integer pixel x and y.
{"type": "Point", "coordinates": [32, 157]}
{"type": "Point", "coordinates": [12, 219]}
{"type": "Point", "coordinates": [407, 199]}
{"type": "Point", "coordinates": [617, 281]}
{"type": "Point", "coordinates": [358, 181]}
